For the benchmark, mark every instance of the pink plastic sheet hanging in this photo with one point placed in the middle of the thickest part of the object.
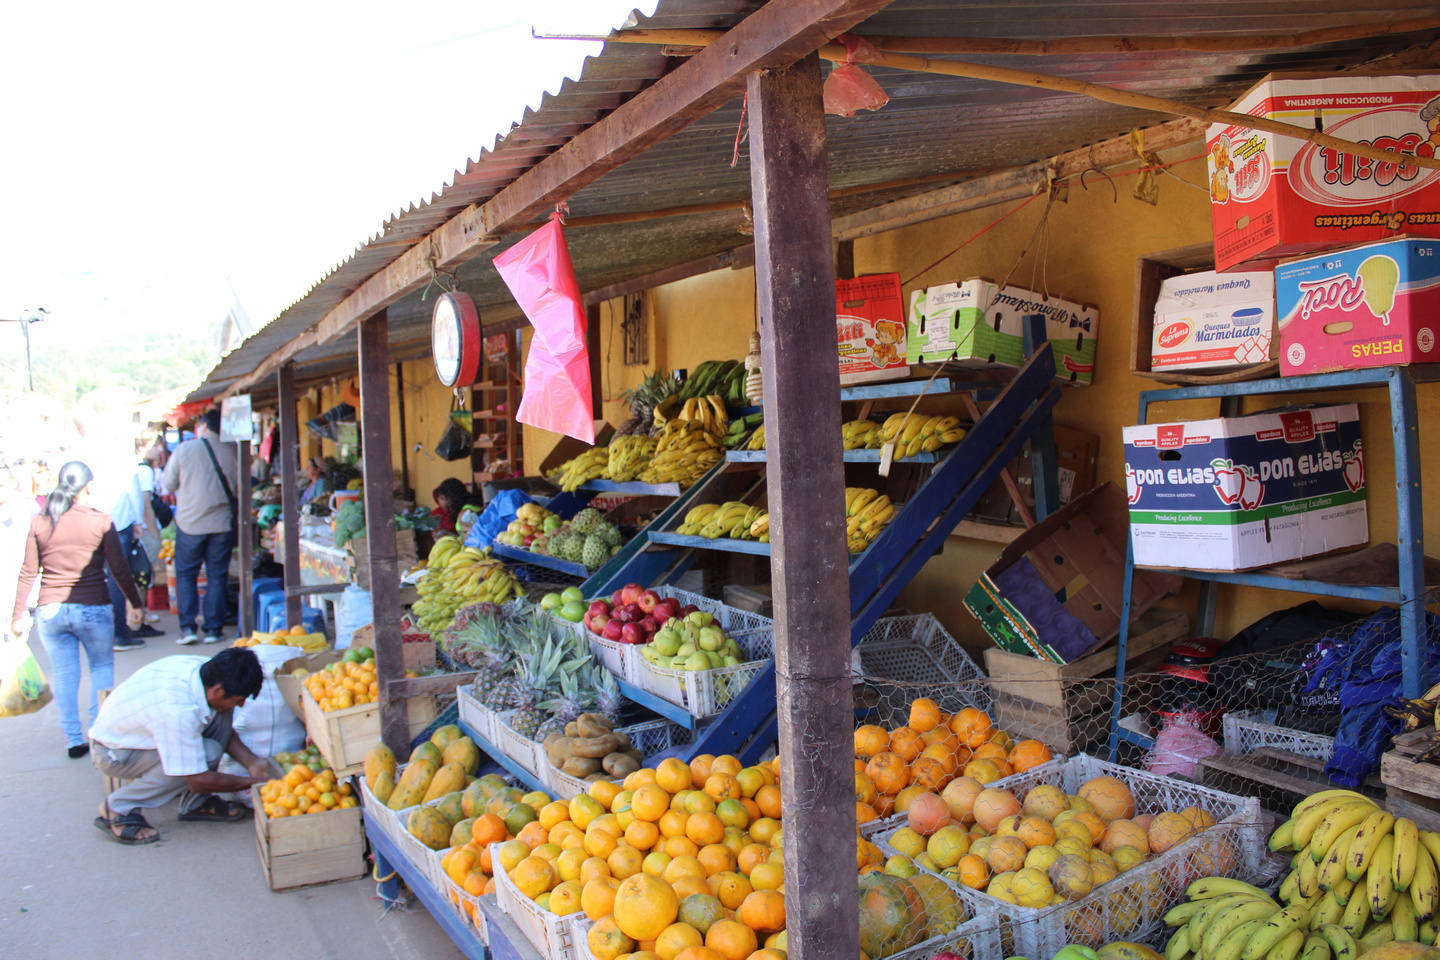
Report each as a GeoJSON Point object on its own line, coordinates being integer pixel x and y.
{"type": "Point", "coordinates": [557, 372]}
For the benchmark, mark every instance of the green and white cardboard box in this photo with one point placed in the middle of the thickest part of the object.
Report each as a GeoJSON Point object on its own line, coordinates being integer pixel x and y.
{"type": "Point", "coordinates": [978, 324]}
{"type": "Point", "coordinates": [1235, 493]}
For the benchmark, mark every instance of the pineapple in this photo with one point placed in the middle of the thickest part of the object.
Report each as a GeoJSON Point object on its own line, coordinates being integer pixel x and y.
{"type": "Point", "coordinates": [654, 389]}
{"type": "Point", "coordinates": [570, 704]}
{"type": "Point", "coordinates": [483, 645]}
{"type": "Point", "coordinates": [531, 690]}
{"type": "Point", "coordinates": [607, 693]}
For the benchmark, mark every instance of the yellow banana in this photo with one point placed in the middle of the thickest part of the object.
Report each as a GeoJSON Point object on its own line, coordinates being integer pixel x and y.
{"type": "Point", "coordinates": [1339, 820]}
{"type": "Point", "coordinates": [1357, 912]}
{"type": "Point", "coordinates": [1309, 872]}
{"type": "Point", "coordinates": [1289, 946]}
{"type": "Point", "coordinates": [1341, 890]}
{"type": "Point", "coordinates": [1332, 868]}
{"type": "Point", "coordinates": [1309, 821]}
{"type": "Point", "coordinates": [1404, 920]}
{"type": "Point", "coordinates": [1178, 947]}
{"type": "Point", "coordinates": [1208, 888]}
{"type": "Point", "coordinates": [1379, 886]}
{"type": "Point", "coordinates": [873, 507]}
{"type": "Point", "coordinates": [1424, 889]}
{"type": "Point", "coordinates": [1219, 927]}
{"type": "Point", "coordinates": [1181, 914]}
{"type": "Point", "coordinates": [1315, 948]}
{"type": "Point", "coordinates": [1326, 911]}
{"type": "Point", "coordinates": [1274, 929]}
{"type": "Point", "coordinates": [1407, 845]}
{"type": "Point", "coordinates": [1342, 943]}
{"type": "Point", "coordinates": [1324, 796]}
{"type": "Point", "coordinates": [1374, 936]}
{"type": "Point", "coordinates": [1234, 946]}
{"type": "Point", "coordinates": [1362, 849]}
{"type": "Point", "coordinates": [861, 501]}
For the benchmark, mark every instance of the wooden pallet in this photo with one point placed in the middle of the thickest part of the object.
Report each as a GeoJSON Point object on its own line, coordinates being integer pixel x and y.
{"type": "Point", "coordinates": [1278, 778]}
{"type": "Point", "coordinates": [1412, 789]}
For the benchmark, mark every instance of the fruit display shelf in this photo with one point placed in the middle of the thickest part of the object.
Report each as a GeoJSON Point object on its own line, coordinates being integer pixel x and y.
{"type": "Point", "coordinates": [1131, 906]}
{"type": "Point", "coordinates": [520, 555]}
{"type": "Point", "coordinates": [849, 456]}
{"type": "Point", "coordinates": [634, 488]}
{"type": "Point", "coordinates": [552, 935]}
{"type": "Point", "coordinates": [651, 738]}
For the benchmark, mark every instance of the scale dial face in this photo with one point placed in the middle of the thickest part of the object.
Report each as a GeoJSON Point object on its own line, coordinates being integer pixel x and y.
{"type": "Point", "coordinates": [455, 339]}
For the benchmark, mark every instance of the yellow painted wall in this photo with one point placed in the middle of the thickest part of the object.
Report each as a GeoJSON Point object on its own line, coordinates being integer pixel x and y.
{"type": "Point", "coordinates": [1087, 253]}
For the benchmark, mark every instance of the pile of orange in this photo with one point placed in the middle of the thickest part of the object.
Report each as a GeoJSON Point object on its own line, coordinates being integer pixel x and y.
{"type": "Point", "coordinates": [274, 639]}
{"type": "Point", "coordinates": [303, 791]}
{"type": "Point", "coordinates": [342, 685]}
{"type": "Point", "coordinates": [931, 750]}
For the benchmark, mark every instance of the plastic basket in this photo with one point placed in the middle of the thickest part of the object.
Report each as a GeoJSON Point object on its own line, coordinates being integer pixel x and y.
{"type": "Point", "coordinates": [1016, 782]}
{"type": "Point", "coordinates": [619, 658]}
{"type": "Point", "coordinates": [427, 861]}
{"type": "Point", "coordinates": [733, 619]}
{"type": "Point", "coordinates": [977, 938]}
{"type": "Point", "coordinates": [466, 906]}
{"type": "Point", "coordinates": [649, 738]}
{"type": "Point", "coordinates": [705, 693]}
{"type": "Point", "coordinates": [1246, 732]}
{"type": "Point", "coordinates": [522, 750]}
{"type": "Point", "coordinates": [918, 650]}
{"type": "Point", "coordinates": [475, 714]}
{"type": "Point", "coordinates": [381, 816]}
{"type": "Point", "coordinates": [1133, 905]}
{"type": "Point", "coordinates": [553, 935]}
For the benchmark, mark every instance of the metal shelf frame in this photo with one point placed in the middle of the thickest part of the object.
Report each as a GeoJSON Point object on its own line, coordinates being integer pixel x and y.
{"type": "Point", "coordinates": [1409, 594]}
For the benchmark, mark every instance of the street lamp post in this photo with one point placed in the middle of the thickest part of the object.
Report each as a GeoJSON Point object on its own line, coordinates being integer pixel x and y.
{"type": "Point", "coordinates": [28, 317]}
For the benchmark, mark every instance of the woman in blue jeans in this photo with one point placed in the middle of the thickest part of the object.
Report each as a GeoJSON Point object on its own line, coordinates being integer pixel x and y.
{"type": "Point", "coordinates": [72, 543]}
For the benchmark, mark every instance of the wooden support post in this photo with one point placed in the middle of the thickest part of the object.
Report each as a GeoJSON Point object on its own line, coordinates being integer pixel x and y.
{"type": "Point", "coordinates": [289, 488]}
{"type": "Point", "coordinates": [406, 492]}
{"type": "Point", "coordinates": [795, 285]}
{"type": "Point", "coordinates": [374, 348]}
{"type": "Point", "coordinates": [245, 530]}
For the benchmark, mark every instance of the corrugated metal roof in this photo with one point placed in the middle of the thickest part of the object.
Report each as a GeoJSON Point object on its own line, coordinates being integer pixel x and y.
{"type": "Point", "coordinates": [933, 124]}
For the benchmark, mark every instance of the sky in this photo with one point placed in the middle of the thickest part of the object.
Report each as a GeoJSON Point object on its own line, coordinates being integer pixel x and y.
{"type": "Point", "coordinates": [158, 155]}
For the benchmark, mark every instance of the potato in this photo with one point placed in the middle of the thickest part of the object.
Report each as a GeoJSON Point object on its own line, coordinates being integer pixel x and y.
{"type": "Point", "coordinates": [595, 748]}
{"type": "Point", "coordinates": [558, 751]}
{"type": "Point", "coordinates": [581, 767]}
{"type": "Point", "coordinates": [620, 765]}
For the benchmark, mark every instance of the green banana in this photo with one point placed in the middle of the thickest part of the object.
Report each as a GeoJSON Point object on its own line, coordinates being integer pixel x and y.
{"type": "Point", "coordinates": [1315, 948]}
{"type": "Point", "coordinates": [1228, 920]}
{"type": "Point", "coordinates": [1179, 945]}
{"type": "Point", "coordinates": [1289, 946]}
{"type": "Point", "coordinates": [1234, 946]}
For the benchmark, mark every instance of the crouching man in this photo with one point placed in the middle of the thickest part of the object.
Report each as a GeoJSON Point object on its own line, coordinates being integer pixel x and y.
{"type": "Point", "coordinates": [164, 729]}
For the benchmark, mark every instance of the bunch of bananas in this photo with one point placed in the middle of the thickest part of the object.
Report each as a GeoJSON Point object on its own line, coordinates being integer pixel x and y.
{"type": "Point", "coordinates": [862, 435]}
{"type": "Point", "coordinates": [1361, 877]}
{"type": "Point", "coordinates": [590, 465]}
{"type": "Point", "coordinates": [685, 452]}
{"type": "Point", "coordinates": [708, 411]}
{"type": "Point", "coordinates": [916, 433]}
{"type": "Point", "coordinates": [757, 439]}
{"type": "Point", "coordinates": [1417, 713]}
{"type": "Point", "coordinates": [733, 519]}
{"type": "Point", "coordinates": [458, 577]}
{"type": "Point", "coordinates": [866, 513]}
{"type": "Point", "coordinates": [628, 456]}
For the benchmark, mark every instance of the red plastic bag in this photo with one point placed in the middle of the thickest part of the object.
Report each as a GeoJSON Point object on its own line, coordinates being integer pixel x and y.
{"type": "Point", "coordinates": [850, 88]}
{"type": "Point", "coordinates": [557, 372]}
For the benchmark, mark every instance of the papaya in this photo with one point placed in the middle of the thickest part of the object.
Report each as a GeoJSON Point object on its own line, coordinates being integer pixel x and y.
{"type": "Point", "coordinates": [429, 827]}
{"type": "Point", "coordinates": [502, 800]}
{"type": "Point", "coordinates": [496, 781]}
{"type": "Point", "coordinates": [474, 798]}
{"type": "Point", "coordinates": [461, 833]}
{"type": "Point", "coordinates": [449, 807]}
{"type": "Point", "coordinates": [464, 752]}
{"type": "Point", "coordinates": [892, 915]}
{"type": "Point", "coordinates": [413, 784]}
{"type": "Point", "coordinates": [428, 751]}
{"type": "Point", "coordinates": [379, 758]}
{"type": "Point", "coordinates": [445, 736]}
{"type": "Point", "coordinates": [383, 786]}
{"type": "Point", "coordinates": [448, 779]}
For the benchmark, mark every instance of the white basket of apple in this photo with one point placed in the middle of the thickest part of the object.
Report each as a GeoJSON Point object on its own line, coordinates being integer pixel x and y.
{"type": "Point", "coordinates": [693, 663]}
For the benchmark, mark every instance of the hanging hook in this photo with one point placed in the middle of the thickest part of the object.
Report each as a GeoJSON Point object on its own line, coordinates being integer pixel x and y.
{"type": "Point", "coordinates": [1114, 189]}
{"type": "Point", "coordinates": [444, 279]}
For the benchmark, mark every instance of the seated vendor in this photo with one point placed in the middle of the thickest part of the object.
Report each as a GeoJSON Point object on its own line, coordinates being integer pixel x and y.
{"type": "Point", "coordinates": [316, 487]}
{"type": "Point", "coordinates": [451, 497]}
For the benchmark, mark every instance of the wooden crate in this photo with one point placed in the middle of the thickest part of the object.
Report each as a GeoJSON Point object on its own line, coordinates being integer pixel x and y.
{"type": "Point", "coordinates": [1068, 706]}
{"type": "Point", "coordinates": [1412, 789]}
{"type": "Point", "coordinates": [419, 655]}
{"type": "Point", "coordinates": [301, 851]}
{"type": "Point", "coordinates": [345, 736]}
{"type": "Point", "coordinates": [359, 549]}
{"type": "Point", "coordinates": [1150, 271]}
{"type": "Point", "coordinates": [1278, 778]}
{"type": "Point", "coordinates": [291, 688]}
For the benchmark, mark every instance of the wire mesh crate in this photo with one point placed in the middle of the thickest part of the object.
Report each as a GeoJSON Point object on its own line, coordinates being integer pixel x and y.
{"type": "Point", "coordinates": [1246, 731]}
{"type": "Point", "coordinates": [918, 651]}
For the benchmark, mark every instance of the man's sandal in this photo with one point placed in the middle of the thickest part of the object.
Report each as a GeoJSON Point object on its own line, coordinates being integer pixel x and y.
{"type": "Point", "coordinates": [130, 825]}
{"type": "Point", "coordinates": [215, 810]}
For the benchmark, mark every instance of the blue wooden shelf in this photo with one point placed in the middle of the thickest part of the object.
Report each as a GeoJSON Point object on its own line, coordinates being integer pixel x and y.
{"type": "Point", "coordinates": [664, 707]}
{"type": "Point", "coordinates": [1269, 581]}
{"type": "Point", "coordinates": [499, 756]}
{"type": "Point", "coordinates": [850, 456]}
{"type": "Point", "coordinates": [633, 489]}
{"type": "Point", "coordinates": [521, 555]}
{"type": "Point", "coordinates": [899, 388]}
{"type": "Point", "coordinates": [725, 544]}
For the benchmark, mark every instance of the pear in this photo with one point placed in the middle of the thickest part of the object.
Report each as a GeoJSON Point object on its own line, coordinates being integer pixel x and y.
{"type": "Point", "coordinates": [711, 638]}
{"type": "Point", "coordinates": [697, 661]}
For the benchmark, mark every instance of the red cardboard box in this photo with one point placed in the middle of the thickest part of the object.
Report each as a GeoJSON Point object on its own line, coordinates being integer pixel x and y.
{"type": "Point", "coordinates": [1272, 197]}
{"type": "Point", "coordinates": [870, 328]}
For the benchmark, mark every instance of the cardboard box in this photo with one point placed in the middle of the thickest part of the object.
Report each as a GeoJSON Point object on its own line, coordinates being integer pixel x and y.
{"type": "Point", "coordinates": [1272, 196]}
{"type": "Point", "coordinates": [1369, 306]}
{"type": "Point", "coordinates": [301, 851]}
{"type": "Point", "coordinates": [1210, 321]}
{"type": "Point", "coordinates": [292, 688]}
{"type": "Point", "coordinates": [870, 328]}
{"type": "Point", "coordinates": [1075, 454]}
{"type": "Point", "coordinates": [1079, 553]}
{"type": "Point", "coordinates": [977, 324]}
{"type": "Point", "coordinates": [1235, 493]}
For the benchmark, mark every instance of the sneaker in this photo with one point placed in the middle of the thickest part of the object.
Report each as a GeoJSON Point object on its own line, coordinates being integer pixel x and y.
{"type": "Point", "coordinates": [146, 631]}
{"type": "Point", "coordinates": [133, 645]}
{"type": "Point", "coordinates": [152, 618]}
{"type": "Point", "coordinates": [188, 637]}
{"type": "Point", "coordinates": [211, 638]}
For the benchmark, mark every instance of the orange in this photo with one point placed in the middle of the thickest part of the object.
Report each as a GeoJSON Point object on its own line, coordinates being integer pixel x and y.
{"type": "Point", "coordinates": [751, 779]}
{"type": "Point", "coordinates": [763, 911]}
{"type": "Point", "coordinates": [731, 939]}
{"type": "Point", "coordinates": [533, 876]}
{"type": "Point", "coordinates": [459, 864]}
{"type": "Point", "coordinates": [672, 823]}
{"type": "Point", "coordinates": [609, 823]}
{"type": "Point", "coordinates": [767, 798]}
{"type": "Point", "coordinates": [700, 767]}
{"type": "Point", "coordinates": [689, 886]}
{"type": "Point", "coordinates": [767, 876]}
{"type": "Point", "coordinates": [730, 888]}
{"type": "Point", "coordinates": [475, 883]}
{"type": "Point", "coordinates": [752, 809]}
{"type": "Point", "coordinates": [683, 867]}
{"type": "Point", "coordinates": [565, 898]}
{"type": "Point", "coordinates": [597, 898]}
{"type": "Point", "coordinates": [924, 714]}
{"type": "Point", "coordinates": [864, 813]}
{"type": "Point", "coordinates": [488, 829]}
{"type": "Point", "coordinates": [769, 953]}
{"type": "Point", "coordinates": [972, 726]}
{"type": "Point", "coordinates": [681, 847]}
{"type": "Point", "coordinates": [655, 862]}
{"type": "Point", "coordinates": [599, 843]}
{"type": "Point", "coordinates": [705, 828]}
{"type": "Point", "coordinates": [974, 871]}
{"type": "Point", "coordinates": [695, 801]}
{"type": "Point", "coordinates": [639, 778]}
{"type": "Point", "coordinates": [929, 774]}
{"type": "Point", "coordinates": [650, 803]}
{"type": "Point", "coordinates": [592, 868]}
{"type": "Point", "coordinates": [871, 739]}
{"type": "Point", "coordinates": [606, 941]}
{"type": "Point", "coordinates": [510, 853]}
{"type": "Point", "coordinates": [532, 834]}
{"type": "Point", "coordinates": [677, 937]}
{"type": "Point", "coordinates": [764, 829]}
{"type": "Point", "coordinates": [583, 809]}
{"type": "Point", "coordinates": [624, 862]}
{"type": "Point", "coordinates": [864, 789]}
{"type": "Point", "coordinates": [889, 772]}
{"type": "Point", "coordinates": [725, 763]}
{"type": "Point", "coordinates": [701, 910]}
{"type": "Point", "coordinates": [604, 793]}
{"type": "Point", "coordinates": [569, 864]}
{"type": "Point", "coordinates": [641, 834]}
{"type": "Point", "coordinates": [673, 775]}
{"type": "Point", "coordinates": [751, 855]}
{"type": "Point", "coordinates": [732, 813]}
{"type": "Point", "coordinates": [697, 953]}
{"type": "Point", "coordinates": [549, 851]}
{"type": "Point", "coordinates": [645, 906]}
{"type": "Point", "coordinates": [906, 742]}
{"type": "Point", "coordinates": [716, 858]}
{"type": "Point", "coordinates": [944, 754]}
{"type": "Point", "coordinates": [735, 840]}
{"type": "Point", "coordinates": [719, 786]}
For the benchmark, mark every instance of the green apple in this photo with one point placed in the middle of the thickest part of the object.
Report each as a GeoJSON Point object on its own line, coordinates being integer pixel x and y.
{"type": "Point", "coordinates": [551, 522]}
{"type": "Point", "coordinates": [572, 594]}
{"type": "Point", "coordinates": [573, 610]}
{"type": "Point", "coordinates": [550, 600]}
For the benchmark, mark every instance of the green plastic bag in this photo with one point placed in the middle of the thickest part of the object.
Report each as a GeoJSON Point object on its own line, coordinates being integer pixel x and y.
{"type": "Point", "coordinates": [22, 683]}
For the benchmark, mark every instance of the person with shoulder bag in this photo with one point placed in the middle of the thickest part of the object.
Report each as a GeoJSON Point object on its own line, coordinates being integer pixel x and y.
{"type": "Point", "coordinates": [68, 547]}
{"type": "Point", "coordinates": [198, 475]}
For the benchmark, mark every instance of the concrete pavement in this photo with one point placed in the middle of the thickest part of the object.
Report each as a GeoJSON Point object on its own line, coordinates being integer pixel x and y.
{"type": "Point", "coordinates": [68, 893]}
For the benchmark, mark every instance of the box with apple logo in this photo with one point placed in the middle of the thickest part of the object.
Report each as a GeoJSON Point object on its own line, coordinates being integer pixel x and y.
{"type": "Point", "coordinates": [1234, 493]}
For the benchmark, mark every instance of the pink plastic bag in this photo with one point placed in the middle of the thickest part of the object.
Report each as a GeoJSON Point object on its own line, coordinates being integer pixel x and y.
{"type": "Point", "coordinates": [850, 88]}
{"type": "Point", "coordinates": [557, 372]}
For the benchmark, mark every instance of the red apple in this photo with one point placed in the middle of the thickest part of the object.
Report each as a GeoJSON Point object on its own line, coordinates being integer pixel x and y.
{"type": "Point", "coordinates": [595, 623]}
{"type": "Point", "coordinates": [686, 610]}
{"type": "Point", "coordinates": [661, 614]}
{"type": "Point", "coordinates": [632, 633]}
{"type": "Point", "coordinates": [648, 624]}
{"type": "Point", "coordinates": [527, 540]}
{"type": "Point", "coordinates": [647, 600]}
{"type": "Point", "coordinates": [599, 606]}
{"type": "Point", "coordinates": [631, 592]}
{"type": "Point", "coordinates": [612, 629]}
{"type": "Point", "coordinates": [617, 598]}
{"type": "Point", "coordinates": [634, 612]}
